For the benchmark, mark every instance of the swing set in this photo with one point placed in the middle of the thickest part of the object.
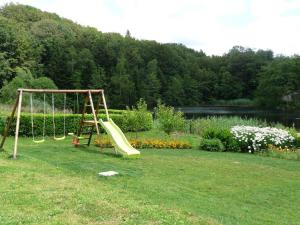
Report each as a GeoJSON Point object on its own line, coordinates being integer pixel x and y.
{"type": "Point", "coordinates": [88, 103]}
{"type": "Point", "coordinates": [44, 119]}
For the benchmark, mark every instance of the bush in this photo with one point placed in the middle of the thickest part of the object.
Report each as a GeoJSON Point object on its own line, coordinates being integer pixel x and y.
{"type": "Point", "coordinates": [169, 120]}
{"type": "Point", "coordinates": [139, 118]}
{"type": "Point", "coordinates": [257, 139]}
{"type": "Point", "coordinates": [72, 123]}
{"type": "Point", "coordinates": [225, 136]}
{"type": "Point", "coordinates": [112, 111]}
{"type": "Point", "coordinates": [296, 136]}
{"type": "Point", "coordinates": [212, 145]}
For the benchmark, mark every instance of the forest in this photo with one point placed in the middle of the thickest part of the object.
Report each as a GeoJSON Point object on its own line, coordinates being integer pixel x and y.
{"type": "Point", "coordinates": [43, 50]}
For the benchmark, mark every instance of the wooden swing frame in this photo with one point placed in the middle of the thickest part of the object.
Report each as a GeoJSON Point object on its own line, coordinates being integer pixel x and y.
{"type": "Point", "coordinates": [18, 105]}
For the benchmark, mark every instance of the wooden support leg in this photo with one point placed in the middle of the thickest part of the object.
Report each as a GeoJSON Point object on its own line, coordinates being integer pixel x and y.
{"type": "Point", "coordinates": [105, 106]}
{"type": "Point", "coordinates": [94, 113]}
{"type": "Point", "coordinates": [17, 125]}
{"type": "Point", "coordinates": [11, 118]}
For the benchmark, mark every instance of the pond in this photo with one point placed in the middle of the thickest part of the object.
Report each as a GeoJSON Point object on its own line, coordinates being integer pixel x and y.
{"type": "Point", "coordinates": [287, 118]}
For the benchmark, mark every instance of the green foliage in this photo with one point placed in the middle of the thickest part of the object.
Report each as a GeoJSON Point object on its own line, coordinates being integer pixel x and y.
{"type": "Point", "coordinates": [296, 135]}
{"type": "Point", "coordinates": [225, 136]}
{"type": "Point", "coordinates": [122, 86]}
{"type": "Point", "coordinates": [23, 79]}
{"type": "Point", "coordinates": [138, 118]}
{"type": "Point", "coordinates": [3, 118]}
{"type": "Point", "coordinates": [199, 126]}
{"type": "Point", "coordinates": [279, 84]}
{"type": "Point", "coordinates": [131, 69]}
{"type": "Point", "coordinates": [212, 145]}
{"type": "Point", "coordinates": [169, 120]}
{"type": "Point", "coordinates": [150, 87]}
{"type": "Point", "coordinates": [112, 111]}
{"type": "Point", "coordinates": [219, 127]}
{"type": "Point", "coordinates": [72, 122]}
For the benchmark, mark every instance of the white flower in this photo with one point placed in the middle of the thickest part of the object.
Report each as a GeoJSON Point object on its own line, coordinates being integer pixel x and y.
{"type": "Point", "coordinates": [260, 137]}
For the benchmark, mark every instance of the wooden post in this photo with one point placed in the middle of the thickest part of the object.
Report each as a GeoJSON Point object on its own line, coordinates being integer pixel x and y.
{"type": "Point", "coordinates": [18, 124]}
{"type": "Point", "coordinates": [94, 114]}
{"type": "Point", "coordinates": [105, 107]}
{"type": "Point", "coordinates": [86, 99]}
{"type": "Point", "coordinates": [6, 130]}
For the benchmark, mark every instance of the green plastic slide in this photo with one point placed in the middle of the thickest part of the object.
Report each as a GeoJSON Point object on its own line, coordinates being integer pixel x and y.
{"type": "Point", "coordinates": [121, 144]}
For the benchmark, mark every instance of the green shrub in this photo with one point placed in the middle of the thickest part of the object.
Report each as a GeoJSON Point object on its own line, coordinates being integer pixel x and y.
{"type": "Point", "coordinates": [169, 120]}
{"type": "Point", "coordinates": [72, 123]}
{"type": "Point", "coordinates": [225, 136]}
{"type": "Point", "coordinates": [295, 134]}
{"type": "Point", "coordinates": [212, 145]}
{"type": "Point", "coordinates": [138, 118]}
{"type": "Point", "coordinates": [2, 122]}
{"type": "Point", "coordinates": [112, 111]}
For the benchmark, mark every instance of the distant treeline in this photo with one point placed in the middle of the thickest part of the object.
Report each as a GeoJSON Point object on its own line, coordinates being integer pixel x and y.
{"type": "Point", "coordinates": [43, 44]}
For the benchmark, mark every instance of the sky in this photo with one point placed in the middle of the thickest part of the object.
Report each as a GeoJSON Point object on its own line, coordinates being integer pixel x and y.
{"type": "Point", "coordinates": [214, 26]}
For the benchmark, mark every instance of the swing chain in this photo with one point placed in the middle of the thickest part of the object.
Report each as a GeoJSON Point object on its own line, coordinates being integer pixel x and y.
{"type": "Point", "coordinates": [32, 120]}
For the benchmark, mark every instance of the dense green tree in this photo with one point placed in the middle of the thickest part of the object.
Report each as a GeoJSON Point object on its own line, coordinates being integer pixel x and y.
{"type": "Point", "coordinates": [191, 91]}
{"type": "Point", "coordinates": [74, 56]}
{"type": "Point", "coordinates": [175, 92]}
{"type": "Point", "coordinates": [121, 85]}
{"type": "Point", "coordinates": [99, 79]}
{"type": "Point", "coordinates": [150, 85]}
{"type": "Point", "coordinates": [228, 87]}
{"type": "Point", "coordinates": [279, 83]}
{"type": "Point", "coordinates": [15, 48]}
{"type": "Point", "coordinates": [23, 79]}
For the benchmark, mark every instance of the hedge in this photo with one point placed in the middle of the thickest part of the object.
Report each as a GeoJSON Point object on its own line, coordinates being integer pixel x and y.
{"type": "Point", "coordinates": [72, 123]}
{"type": "Point", "coordinates": [113, 111]}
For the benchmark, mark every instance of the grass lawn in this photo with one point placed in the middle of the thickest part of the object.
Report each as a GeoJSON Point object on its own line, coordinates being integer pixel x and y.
{"type": "Point", "coordinates": [55, 183]}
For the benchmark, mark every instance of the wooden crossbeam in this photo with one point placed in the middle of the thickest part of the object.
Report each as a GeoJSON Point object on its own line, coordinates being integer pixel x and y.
{"type": "Point", "coordinates": [59, 91]}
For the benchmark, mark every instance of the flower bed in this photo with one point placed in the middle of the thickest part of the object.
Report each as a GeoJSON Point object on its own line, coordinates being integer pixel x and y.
{"type": "Point", "coordinates": [172, 144]}
{"type": "Point", "coordinates": [256, 139]}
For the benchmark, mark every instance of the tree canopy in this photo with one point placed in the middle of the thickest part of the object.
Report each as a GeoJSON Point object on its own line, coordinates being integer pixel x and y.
{"type": "Point", "coordinates": [74, 56]}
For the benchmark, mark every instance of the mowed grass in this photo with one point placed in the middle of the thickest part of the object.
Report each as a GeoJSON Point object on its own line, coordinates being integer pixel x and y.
{"type": "Point", "coordinates": [55, 183]}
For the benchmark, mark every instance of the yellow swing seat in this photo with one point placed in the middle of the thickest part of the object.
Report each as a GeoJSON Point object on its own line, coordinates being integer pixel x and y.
{"type": "Point", "coordinates": [32, 120]}
{"type": "Point", "coordinates": [59, 138]}
{"type": "Point", "coordinates": [39, 141]}
{"type": "Point", "coordinates": [53, 119]}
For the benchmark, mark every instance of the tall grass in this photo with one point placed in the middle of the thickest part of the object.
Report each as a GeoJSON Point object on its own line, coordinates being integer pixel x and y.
{"type": "Point", "coordinates": [199, 126]}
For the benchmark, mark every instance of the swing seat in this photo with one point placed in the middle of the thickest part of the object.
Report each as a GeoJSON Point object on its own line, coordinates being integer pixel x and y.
{"type": "Point", "coordinates": [71, 134]}
{"type": "Point", "coordinates": [39, 141]}
{"type": "Point", "coordinates": [59, 138]}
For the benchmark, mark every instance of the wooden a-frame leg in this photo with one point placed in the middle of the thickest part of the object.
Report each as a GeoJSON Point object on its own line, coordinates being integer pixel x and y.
{"type": "Point", "coordinates": [17, 125]}
{"type": "Point", "coordinates": [11, 118]}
